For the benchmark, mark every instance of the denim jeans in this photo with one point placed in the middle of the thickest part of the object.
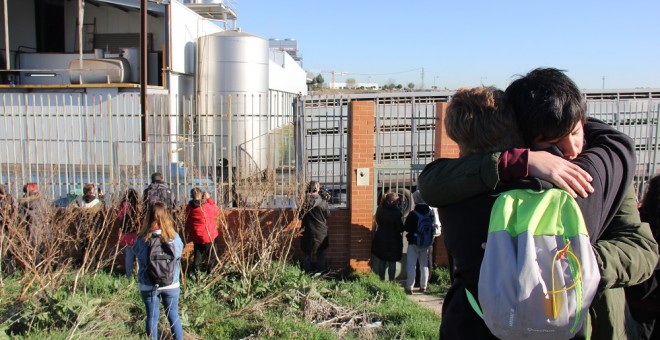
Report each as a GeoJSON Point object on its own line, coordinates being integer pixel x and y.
{"type": "Point", "coordinates": [170, 299]}
{"type": "Point", "coordinates": [129, 259]}
{"type": "Point", "coordinates": [422, 254]}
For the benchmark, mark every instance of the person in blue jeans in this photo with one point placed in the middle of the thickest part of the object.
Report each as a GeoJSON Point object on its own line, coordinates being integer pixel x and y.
{"type": "Point", "coordinates": [159, 222]}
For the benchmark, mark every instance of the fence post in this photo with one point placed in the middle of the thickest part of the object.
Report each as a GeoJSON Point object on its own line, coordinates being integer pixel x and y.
{"type": "Point", "coordinates": [444, 148]}
{"type": "Point", "coordinates": [360, 156]}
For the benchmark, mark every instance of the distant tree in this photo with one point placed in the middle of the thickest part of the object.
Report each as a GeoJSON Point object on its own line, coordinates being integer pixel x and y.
{"type": "Point", "coordinates": [319, 79]}
{"type": "Point", "coordinates": [399, 87]}
{"type": "Point", "coordinates": [350, 83]}
{"type": "Point", "coordinates": [411, 85]}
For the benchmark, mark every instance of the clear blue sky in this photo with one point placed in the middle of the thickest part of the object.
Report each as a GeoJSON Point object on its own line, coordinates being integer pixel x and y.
{"type": "Point", "coordinates": [466, 43]}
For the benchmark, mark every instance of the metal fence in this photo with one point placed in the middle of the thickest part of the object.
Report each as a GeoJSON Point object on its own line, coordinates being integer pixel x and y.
{"type": "Point", "coordinates": [404, 139]}
{"type": "Point", "coordinates": [63, 140]}
{"type": "Point", "coordinates": [405, 134]}
{"type": "Point", "coordinates": [249, 149]}
{"type": "Point", "coordinates": [636, 114]}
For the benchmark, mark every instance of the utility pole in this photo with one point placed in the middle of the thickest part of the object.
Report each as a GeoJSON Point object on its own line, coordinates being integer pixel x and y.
{"type": "Point", "coordinates": [422, 87]}
{"type": "Point", "coordinates": [603, 82]}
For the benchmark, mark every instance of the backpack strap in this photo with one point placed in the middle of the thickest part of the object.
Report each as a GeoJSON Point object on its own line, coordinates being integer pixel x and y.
{"type": "Point", "coordinates": [420, 215]}
{"type": "Point", "coordinates": [474, 303]}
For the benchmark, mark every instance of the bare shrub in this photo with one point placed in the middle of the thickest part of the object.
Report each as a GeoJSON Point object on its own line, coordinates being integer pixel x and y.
{"type": "Point", "coordinates": [37, 249]}
{"type": "Point", "coordinates": [257, 242]}
{"type": "Point", "coordinates": [66, 239]}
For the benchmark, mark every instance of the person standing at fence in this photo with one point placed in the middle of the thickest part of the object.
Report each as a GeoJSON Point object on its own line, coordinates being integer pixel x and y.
{"type": "Point", "coordinates": [33, 212]}
{"type": "Point", "coordinates": [159, 224]}
{"type": "Point", "coordinates": [387, 243]}
{"type": "Point", "coordinates": [90, 219]}
{"type": "Point", "coordinates": [90, 198]}
{"type": "Point", "coordinates": [128, 220]}
{"type": "Point", "coordinates": [8, 211]}
{"type": "Point", "coordinates": [314, 214]}
{"type": "Point", "coordinates": [7, 207]}
{"type": "Point", "coordinates": [158, 191]}
{"type": "Point", "coordinates": [202, 228]}
{"type": "Point", "coordinates": [419, 248]}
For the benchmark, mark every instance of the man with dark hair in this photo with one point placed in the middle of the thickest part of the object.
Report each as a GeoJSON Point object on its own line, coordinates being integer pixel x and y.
{"type": "Point", "coordinates": [89, 199]}
{"type": "Point", "coordinates": [89, 221]}
{"type": "Point", "coordinates": [551, 113]}
{"type": "Point", "coordinates": [158, 191]}
{"type": "Point", "coordinates": [314, 214]}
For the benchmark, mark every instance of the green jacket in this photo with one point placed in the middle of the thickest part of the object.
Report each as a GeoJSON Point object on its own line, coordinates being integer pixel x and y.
{"type": "Point", "coordinates": [626, 250]}
{"type": "Point", "coordinates": [627, 255]}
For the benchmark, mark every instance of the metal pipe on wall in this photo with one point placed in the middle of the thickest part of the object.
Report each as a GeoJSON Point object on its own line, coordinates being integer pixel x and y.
{"type": "Point", "coordinates": [7, 56]}
{"type": "Point", "coordinates": [143, 68]}
{"type": "Point", "coordinates": [81, 18]}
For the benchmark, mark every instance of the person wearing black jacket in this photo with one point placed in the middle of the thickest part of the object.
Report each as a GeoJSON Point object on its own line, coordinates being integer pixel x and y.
{"type": "Point", "coordinates": [314, 215]}
{"type": "Point", "coordinates": [387, 244]}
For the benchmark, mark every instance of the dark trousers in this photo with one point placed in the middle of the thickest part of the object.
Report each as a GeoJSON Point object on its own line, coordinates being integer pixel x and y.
{"type": "Point", "coordinates": [321, 264]}
{"type": "Point", "coordinates": [204, 250]}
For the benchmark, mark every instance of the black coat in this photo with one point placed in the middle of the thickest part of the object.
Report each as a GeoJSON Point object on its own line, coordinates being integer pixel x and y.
{"type": "Point", "coordinates": [314, 214]}
{"type": "Point", "coordinates": [387, 244]}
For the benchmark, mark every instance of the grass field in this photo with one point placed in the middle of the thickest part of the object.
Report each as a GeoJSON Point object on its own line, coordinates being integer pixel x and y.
{"type": "Point", "coordinates": [293, 305]}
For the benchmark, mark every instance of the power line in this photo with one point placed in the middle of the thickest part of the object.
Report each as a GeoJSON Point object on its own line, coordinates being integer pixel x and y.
{"type": "Point", "coordinates": [374, 74]}
{"type": "Point", "coordinates": [387, 74]}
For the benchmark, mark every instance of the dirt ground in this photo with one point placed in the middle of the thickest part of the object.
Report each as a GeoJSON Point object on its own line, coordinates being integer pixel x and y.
{"type": "Point", "coordinates": [431, 302]}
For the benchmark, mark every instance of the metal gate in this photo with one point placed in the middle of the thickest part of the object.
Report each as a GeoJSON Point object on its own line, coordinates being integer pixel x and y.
{"type": "Point", "coordinates": [404, 144]}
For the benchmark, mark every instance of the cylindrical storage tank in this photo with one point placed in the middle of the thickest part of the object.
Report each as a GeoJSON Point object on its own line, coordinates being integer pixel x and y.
{"type": "Point", "coordinates": [132, 54]}
{"type": "Point", "coordinates": [232, 69]}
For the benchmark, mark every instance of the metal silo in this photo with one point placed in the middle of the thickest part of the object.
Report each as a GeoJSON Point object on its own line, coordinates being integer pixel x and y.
{"type": "Point", "coordinates": [232, 109]}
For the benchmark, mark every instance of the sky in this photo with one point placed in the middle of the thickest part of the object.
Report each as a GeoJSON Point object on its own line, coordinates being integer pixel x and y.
{"type": "Point", "coordinates": [452, 44]}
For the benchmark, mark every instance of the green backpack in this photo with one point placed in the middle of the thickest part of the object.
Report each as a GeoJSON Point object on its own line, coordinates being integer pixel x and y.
{"type": "Point", "coordinates": [539, 273]}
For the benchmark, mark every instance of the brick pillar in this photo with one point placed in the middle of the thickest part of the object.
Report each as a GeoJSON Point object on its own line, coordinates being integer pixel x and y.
{"type": "Point", "coordinates": [360, 197]}
{"type": "Point", "coordinates": [444, 148]}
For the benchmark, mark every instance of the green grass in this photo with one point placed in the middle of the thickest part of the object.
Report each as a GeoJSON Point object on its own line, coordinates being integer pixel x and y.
{"type": "Point", "coordinates": [439, 282]}
{"type": "Point", "coordinates": [292, 305]}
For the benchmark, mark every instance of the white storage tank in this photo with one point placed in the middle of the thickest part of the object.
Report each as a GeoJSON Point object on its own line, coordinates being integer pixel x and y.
{"type": "Point", "coordinates": [233, 99]}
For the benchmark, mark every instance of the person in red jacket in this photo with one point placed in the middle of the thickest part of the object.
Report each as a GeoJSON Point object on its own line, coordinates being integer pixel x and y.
{"type": "Point", "coordinates": [202, 228]}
